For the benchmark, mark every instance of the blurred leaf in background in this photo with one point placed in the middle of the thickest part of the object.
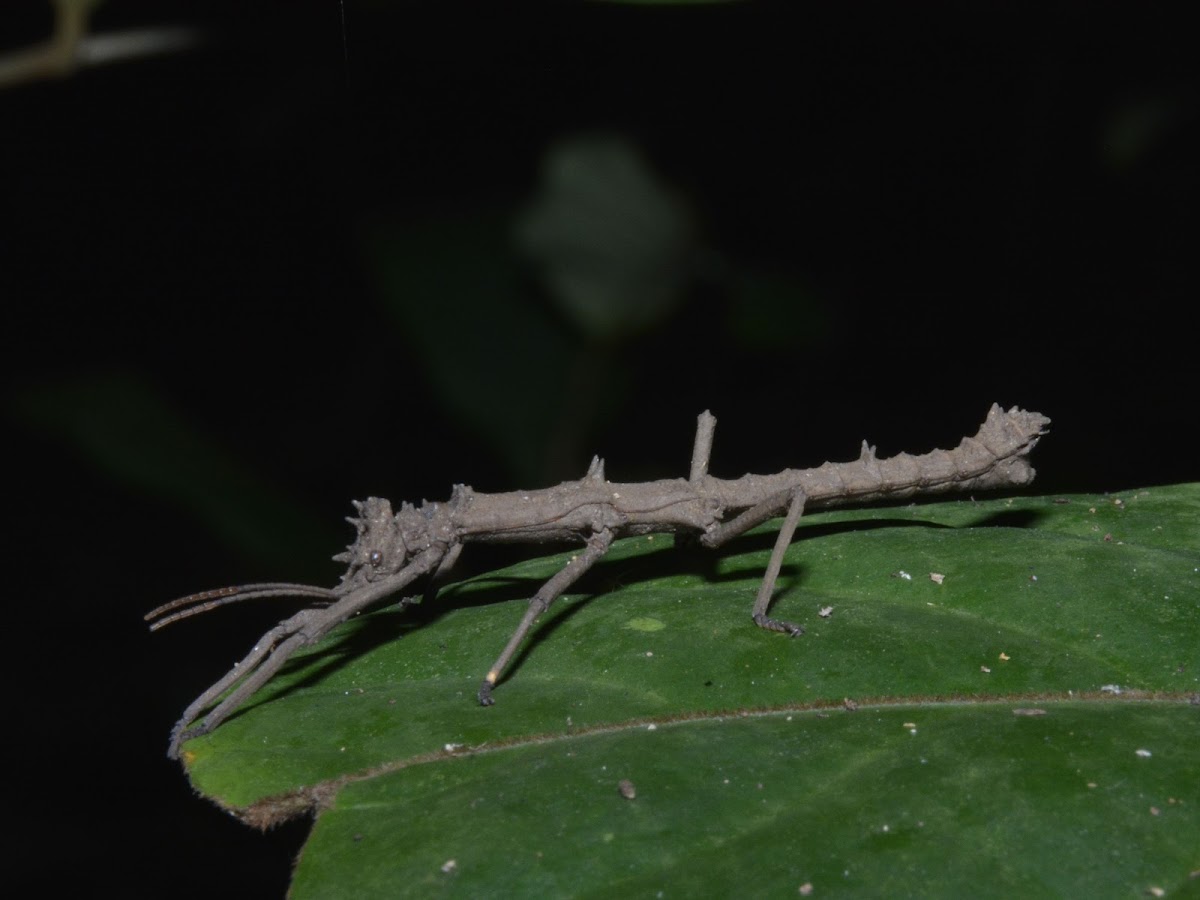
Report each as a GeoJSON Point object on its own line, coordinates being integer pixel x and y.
{"type": "Point", "coordinates": [496, 360]}
{"type": "Point", "coordinates": [125, 427]}
{"type": "Point", "coordinates": [615, 245]}
{"type": "Point", "coordinates": [623, 271]}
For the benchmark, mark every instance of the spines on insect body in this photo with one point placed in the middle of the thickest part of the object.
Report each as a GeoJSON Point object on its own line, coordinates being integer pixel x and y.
{"type": "Point", "coordinates": [595, 472]}
{"type": "Point", "coordinates": [870, 463]}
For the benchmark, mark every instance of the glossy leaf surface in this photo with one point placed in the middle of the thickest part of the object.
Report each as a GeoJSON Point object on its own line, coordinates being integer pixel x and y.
{"type": "Point", "coordinates": [1085, 608]}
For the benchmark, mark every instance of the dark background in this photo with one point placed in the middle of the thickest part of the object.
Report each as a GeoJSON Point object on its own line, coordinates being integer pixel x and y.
{"type": "Point", "coordinates": [248, 282]}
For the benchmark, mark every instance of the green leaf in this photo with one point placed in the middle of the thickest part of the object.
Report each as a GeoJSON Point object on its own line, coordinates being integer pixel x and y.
{"type": "Point", "coordinates": [1025, 725]}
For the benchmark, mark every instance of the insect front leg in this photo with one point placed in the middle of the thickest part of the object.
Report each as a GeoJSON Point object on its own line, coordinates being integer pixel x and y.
{"type": "Point", "coordinates": [266, 644]}
{"type": "Point", "coordinates": [278, 645]}
{"type": "Point", "coordinates": [596, 547]}
{"type": "Point", "coordinates": [439, 578]}
{"type": "Point", "coordinates": [793, 501]}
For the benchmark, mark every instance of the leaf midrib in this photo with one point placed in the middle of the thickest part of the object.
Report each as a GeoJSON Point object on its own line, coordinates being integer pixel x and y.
{"type": "Point", "coordinates": [273, 810]}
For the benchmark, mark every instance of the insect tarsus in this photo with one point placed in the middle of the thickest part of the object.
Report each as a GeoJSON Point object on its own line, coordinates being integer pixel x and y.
{"type": "Point", "coordinates": [394, 549]}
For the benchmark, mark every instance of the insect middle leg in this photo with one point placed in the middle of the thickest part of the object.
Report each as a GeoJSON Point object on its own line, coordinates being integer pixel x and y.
{"type": "Point", "coordinates": [597, 546]}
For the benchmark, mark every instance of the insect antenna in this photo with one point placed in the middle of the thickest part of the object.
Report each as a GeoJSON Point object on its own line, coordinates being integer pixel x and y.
{"type": "Point", "coordinates": [202, 602]}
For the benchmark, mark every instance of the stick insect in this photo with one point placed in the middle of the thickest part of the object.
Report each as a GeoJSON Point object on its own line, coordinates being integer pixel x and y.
{"type": "Point", "coordinates": [393, 550]}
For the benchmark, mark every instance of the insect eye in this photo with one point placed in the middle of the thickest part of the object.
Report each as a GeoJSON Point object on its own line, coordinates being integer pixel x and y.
{"type": "Point", "coordinates": [376, 558]}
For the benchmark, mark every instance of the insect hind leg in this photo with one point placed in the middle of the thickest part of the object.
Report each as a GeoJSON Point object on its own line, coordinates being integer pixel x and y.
{"type": "Point", "coordinates": [767, 588]}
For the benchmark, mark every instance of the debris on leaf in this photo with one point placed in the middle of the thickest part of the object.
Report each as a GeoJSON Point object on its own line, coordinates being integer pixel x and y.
{"type": "Point", "coordinates": [849, 704]}
{"type": "Point", "coordinates": [626, 789]}
{"type": "Point", "coordinates": [937, 577]}
{"type": "Point", "coordinates": [1025, 711]}
{"type": "Point", "coordinates": [825, 612]}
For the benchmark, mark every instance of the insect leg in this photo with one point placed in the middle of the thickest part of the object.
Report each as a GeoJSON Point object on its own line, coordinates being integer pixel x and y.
{"type": "Point", "coordinates": [759, 614]}
{"type": "Point", "coordinates": [264, 646]}
{"type": "Point", "coordinates": [793, 501]}
{"type": "Point", "coordinates": [597, 546]}
{"type": "Point", "coordinates": [747, 519]}
{"type": "Point", "coordinates": [277, 646]}
{"type": "Point", "coordinates": [439, 577]}
{"type": "Point", "coordinates": [261, 676]}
